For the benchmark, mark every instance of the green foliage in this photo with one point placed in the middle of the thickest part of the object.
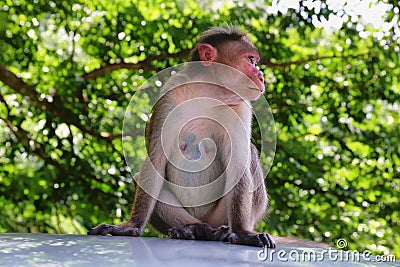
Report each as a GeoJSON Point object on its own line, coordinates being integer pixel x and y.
{"type": "Point", "coordinates": [68, 71]}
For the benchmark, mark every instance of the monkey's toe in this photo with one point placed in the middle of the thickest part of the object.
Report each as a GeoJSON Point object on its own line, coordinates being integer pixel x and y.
{"type": "Point", "coordinates": [257, 240]}
{"type": "Point", "coordinates": [222, 233]}
{"type": "Point", "coordinates": [181, 233]}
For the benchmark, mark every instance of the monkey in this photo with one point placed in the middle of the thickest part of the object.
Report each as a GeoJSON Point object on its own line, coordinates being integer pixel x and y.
{"type": "Point", "coordinates": [202, 177]}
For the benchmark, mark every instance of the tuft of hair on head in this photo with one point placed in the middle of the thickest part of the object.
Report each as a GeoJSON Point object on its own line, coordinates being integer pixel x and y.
{"type": "Point", "coordinates": [218, 35]}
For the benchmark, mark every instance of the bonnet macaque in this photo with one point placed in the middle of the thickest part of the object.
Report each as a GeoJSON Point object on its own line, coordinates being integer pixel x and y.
{"type": "Point", "coordinates": [199, 135]}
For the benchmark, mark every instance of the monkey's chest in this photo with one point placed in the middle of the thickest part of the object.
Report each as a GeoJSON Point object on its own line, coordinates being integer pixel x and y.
{"type": "Point", "coordinates": [194, 162]}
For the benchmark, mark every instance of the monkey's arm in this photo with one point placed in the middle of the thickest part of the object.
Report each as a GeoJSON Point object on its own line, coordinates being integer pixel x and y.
{"type": "Point", "coordinates": [243, 215]}
{"type": "Point", "coordinates": [149, 183]}
{"type": "Point", "coordinates": [248, 202]}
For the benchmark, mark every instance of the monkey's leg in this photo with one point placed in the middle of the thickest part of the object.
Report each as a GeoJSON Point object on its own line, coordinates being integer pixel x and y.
{"type": "Point", "coordinates": [172, 214]}
{"type": "Point", "coordinates": [198, 230]}
{"type": "Point", "coordinates": [182, 224]}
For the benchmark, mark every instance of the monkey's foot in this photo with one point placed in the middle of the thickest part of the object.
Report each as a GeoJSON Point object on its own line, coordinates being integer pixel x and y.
{"type": "Point", "coordinates": [200, 231]}
{"type": "Point", "coordinates": [249, 239]}
{"type": "Point", "coordinates": [106, 229]}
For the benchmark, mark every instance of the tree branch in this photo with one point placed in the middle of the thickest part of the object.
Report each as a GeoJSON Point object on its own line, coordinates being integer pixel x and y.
{"type": "Point", "coordinates": [16, 83]}
{"type": "Point", "coordinates": [271, 64]}
{"type": "Point", "coordinates": [145, 64]}
{"type": "Point", "coordinates": [24, 139]}
{"type": "Point", "coordinates": [57, 107]}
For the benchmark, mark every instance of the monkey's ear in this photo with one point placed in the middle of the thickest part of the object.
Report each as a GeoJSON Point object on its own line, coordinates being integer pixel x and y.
{"type": "Point", "coordinates": [207, 54]}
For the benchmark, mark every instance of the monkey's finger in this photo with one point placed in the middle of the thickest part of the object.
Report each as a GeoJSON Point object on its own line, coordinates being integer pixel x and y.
{"type": "Point", "coordinates": [256, 240]}
{"type": "Point", "coordinates": [106, 229]}
{"type": "Point", "coordinates": [103, 229]}
{"type": "Point", "coordinates": [233, 238]}
{"type": "Point", "coordinates": [125, 231]}
{"type": "Point", "coordinates": [267, 241]}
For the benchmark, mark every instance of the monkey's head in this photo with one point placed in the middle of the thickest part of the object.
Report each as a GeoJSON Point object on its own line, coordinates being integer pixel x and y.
{"type": "Point", "coordinates": [229, 46]}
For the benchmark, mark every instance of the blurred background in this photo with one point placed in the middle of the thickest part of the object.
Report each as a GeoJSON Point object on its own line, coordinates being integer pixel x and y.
{"type": "Point", "coordinates": [68, 70]}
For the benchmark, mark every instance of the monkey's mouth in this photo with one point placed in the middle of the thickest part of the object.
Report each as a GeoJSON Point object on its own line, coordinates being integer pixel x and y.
{"type": "Point", "coordinates": [256, 89]}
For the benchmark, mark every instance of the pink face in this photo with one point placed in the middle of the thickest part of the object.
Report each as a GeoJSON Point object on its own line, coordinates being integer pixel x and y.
{"type": "Point", "coordinates": [248, 65]}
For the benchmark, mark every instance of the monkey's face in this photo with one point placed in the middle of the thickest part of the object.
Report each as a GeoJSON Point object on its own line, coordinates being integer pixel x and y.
{"type": "Point", "coordinates": [241, 56]}
{"type": "Point", "coordinates": [245, 79]}
{"type": "Point", "coordinates": [247, 63]}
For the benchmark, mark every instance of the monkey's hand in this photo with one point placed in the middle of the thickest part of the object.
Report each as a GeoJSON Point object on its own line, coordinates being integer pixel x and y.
{"type": "Point", "coordinates": [252, 239]}
{"type": "Point", "coordinates": [125, 229]}
{"type": "Point", "coordinates": [200, 231]}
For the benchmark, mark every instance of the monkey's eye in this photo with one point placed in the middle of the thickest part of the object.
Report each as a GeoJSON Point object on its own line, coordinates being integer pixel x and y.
{"type": "Point", "coordinates": [252, 60]}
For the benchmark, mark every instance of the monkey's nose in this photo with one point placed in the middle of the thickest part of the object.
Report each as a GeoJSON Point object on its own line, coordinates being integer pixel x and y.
{"type": "Point", "coordinates": [260, 77]}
